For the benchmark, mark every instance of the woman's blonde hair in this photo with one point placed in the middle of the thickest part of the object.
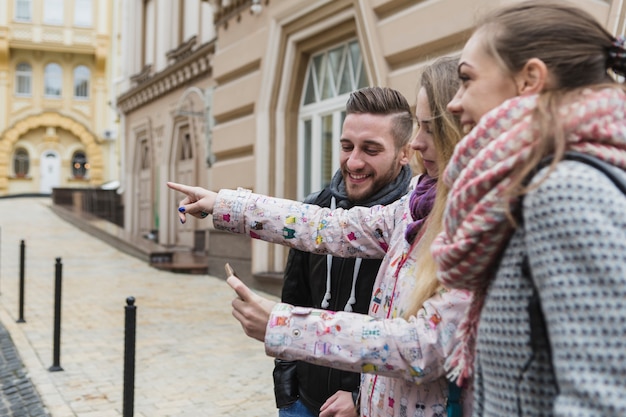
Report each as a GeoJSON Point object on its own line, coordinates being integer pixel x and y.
{"type": "Point", "coordinates": [440, 81]}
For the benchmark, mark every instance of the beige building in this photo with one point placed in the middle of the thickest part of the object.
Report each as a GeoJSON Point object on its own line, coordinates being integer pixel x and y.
{"type": "Point", "coordinates": [250, 93]}
{"type": "Point", "coordinates": [57, 128]}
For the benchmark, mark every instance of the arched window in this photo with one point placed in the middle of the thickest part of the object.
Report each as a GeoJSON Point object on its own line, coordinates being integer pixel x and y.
{"type": "Point", "coordinates": [81, 81]}
{"type": "Point", "coordinates": [79, 165]}
{"type": "Point", "coordinates": [23, 79]}
{"type": "Point", "coordinates": [330, 77]}
{"type": "Point", "coordinates": [53, 80]}
{"type": "Point", "coordinates": [21, 163]}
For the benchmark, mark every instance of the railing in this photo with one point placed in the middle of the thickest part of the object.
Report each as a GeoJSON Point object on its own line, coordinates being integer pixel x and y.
{"type": "Point", "coordinates": [105, 204]}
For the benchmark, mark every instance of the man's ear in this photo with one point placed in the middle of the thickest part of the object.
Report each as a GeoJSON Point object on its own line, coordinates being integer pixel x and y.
{"type": "Point", "coordinates": [532, 79]}
{"type": "Point", "coordinates": [406, 153]}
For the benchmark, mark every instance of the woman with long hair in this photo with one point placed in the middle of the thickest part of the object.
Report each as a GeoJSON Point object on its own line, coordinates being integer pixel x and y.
{"type": "Point", "coordinates": [402, 344]}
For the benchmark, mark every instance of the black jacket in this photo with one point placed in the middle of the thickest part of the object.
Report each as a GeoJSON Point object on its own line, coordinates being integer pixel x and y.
{"type": "Point", "coordinates": [305, 285]}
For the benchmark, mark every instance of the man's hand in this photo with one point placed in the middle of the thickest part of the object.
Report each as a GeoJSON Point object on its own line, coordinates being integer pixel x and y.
{"type": "Point", "coordinates": [252, 310]}
{"type": "Point", "coordinates": [198, 202]}
{"type": "Point", "coordinates": [340, 404]}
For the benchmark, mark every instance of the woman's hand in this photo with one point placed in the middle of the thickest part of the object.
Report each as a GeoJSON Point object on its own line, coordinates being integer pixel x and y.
{"type": "Point", "coordinates": [252, 310]}
{"type": "Point", "coordinates": [198, 202]}
{"type": "Point", "coordinates": [340, 404]}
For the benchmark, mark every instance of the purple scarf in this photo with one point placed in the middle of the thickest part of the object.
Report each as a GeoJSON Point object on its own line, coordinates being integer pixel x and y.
{"type": "Point", "coordinates": [420, 202]}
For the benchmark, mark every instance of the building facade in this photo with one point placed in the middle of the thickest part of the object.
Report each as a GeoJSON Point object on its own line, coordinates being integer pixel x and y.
{"type": "Point", "coordinates": [254, 98]}
{"type": "Point", "coordinates": [57, 128]}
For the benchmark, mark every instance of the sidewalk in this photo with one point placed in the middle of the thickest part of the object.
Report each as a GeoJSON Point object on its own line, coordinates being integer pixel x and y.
{"type": "Point", "coordinates": [192, 358]}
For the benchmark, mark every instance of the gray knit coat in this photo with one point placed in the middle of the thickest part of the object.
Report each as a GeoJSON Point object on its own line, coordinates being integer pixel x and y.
{"type": "Point", "coordinates": [574, 238]}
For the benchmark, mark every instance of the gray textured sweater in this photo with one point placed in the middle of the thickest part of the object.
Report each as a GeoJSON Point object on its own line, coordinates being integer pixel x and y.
{"type": "Point", "coordinates": [575, 236]}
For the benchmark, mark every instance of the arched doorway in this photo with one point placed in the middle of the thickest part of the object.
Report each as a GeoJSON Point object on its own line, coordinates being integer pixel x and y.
{"type": "Point", "coordinates": [50, 171]}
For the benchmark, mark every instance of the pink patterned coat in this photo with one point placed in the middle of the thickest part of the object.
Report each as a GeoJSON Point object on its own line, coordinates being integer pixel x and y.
{"type": "Point", "coordinates": [401, 361]}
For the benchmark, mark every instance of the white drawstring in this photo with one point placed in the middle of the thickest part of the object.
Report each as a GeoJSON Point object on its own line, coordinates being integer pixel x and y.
{"type": "Point", "coordinates": [355, 274]}
{"type": "Point", "coordinates": [352, 299]}
{"type": "Point", "coordinates": [329, 264]}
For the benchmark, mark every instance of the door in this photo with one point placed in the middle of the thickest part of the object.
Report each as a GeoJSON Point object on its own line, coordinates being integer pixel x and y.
{"type": "Point", "coordinates": [50, 166]}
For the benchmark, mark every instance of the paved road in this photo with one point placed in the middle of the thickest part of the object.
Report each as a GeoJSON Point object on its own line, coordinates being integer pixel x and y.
{"type": "Point", "coordinates": [192, 358]}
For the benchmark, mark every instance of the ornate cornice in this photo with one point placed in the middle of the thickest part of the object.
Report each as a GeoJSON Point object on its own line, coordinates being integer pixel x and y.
{"type": "Point", "coordinates": [225, 10]}
{"type": "Point", "coordinates": [196, 64]}
{"type": "Point", "coordinates": [143, 75]}
{"type": "Point", "coordinates": [183, 51]}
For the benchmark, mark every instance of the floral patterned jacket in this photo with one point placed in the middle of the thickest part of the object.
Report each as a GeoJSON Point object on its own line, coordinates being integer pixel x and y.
{"type": "Point", "coordinates": [401, 361]}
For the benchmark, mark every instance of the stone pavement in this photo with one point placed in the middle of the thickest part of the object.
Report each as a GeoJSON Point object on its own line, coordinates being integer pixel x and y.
{"type": "Point", "coordinates": [18, 396]}
{"type": "Point", "coordinates": [192, 358]}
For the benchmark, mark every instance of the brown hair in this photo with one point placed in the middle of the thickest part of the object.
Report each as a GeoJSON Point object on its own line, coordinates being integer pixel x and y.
{"type": "Point", "coordinates": [440, 81]}
{"type": "Point", "coordinates": [575, 48]}
{"type": "Point", "coordinates": [384, 101]}
{"type": "Point", "coordinates": [435, 80]}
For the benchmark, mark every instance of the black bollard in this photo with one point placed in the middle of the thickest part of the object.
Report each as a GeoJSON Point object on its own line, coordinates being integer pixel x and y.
{"type": "Point", "coordinates": [22, 251]}
{"type": "Point", "coordinates": [56, 355]}
{"type": "Point", "coordinates": [129, 357]}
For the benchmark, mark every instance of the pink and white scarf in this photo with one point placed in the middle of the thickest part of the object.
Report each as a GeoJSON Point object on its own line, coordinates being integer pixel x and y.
{"type": "Point", "coordinates": [476, 228]}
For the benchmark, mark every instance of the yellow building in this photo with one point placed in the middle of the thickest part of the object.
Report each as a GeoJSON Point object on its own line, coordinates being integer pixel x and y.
{"type": "Point", "coordinates": [57, 129]}
{"type": "Point", "coordinates": [260, 104]}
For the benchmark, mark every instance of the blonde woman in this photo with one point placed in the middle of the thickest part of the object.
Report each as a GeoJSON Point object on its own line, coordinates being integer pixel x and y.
{"type": "Point", "coordinates": [402, 344]}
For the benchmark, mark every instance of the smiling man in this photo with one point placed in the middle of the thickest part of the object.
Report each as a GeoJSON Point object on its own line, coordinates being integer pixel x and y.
{"type": "Point", "coordinates": [374, 169]}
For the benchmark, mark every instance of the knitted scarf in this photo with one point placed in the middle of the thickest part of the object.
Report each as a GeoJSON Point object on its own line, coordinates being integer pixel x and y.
{"type": "Point", "coordinates": [476, 228]}
{"type": "Point", "coordinates": [421, 203]}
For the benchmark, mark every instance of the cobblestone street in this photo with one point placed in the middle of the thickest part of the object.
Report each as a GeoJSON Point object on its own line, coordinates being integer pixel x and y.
{"type": "Point", "coordinates": [192, 358]}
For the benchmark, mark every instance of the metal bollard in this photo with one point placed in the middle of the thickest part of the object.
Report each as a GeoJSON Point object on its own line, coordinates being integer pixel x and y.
{"type": "Point", "coordinates": [56, 356]}
{"type": "Point", "coordinates": [21, 306]}
{"type": "Point", "coordinates": [129, 357]}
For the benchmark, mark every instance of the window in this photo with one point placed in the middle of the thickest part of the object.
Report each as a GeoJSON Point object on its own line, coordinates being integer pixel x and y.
{"type": "Point", "coordinates": [79, 165]}
{"type": "Point", "coordinates": [190, 19]}
{"type": "Point", "coordinates": [23, 10]}
{"type": "Point", "coordinates": [186, 148]}
{"type": "Point", "coordinates": [83, 13]}
{"type": "Point", "coordinates": [330, 77]}
{"type": "Point", "coordinates": [21, 163]}
{"type": "Point", "coordinates": [81, 82]}
{"type": "Point", "coordinates": [23, 79]}
{"type": "Point", "coordinates": [145, 154]}
{"type": "Point", "coordinates": [53, 12]}
{"type": "Point", "coordinates": [53, 80]}
{"type": "Point", "coordinates": [149, 33]}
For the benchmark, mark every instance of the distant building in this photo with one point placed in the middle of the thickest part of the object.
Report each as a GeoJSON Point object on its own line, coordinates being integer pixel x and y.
{"type": "Point", "coordinates": [250, 93]}
{"type": "Point", "coordinates": [57, 129]}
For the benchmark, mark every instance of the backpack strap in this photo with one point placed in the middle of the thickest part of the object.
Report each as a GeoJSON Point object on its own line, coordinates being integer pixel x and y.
{"type": "Point", "coordinates": [607, 169]}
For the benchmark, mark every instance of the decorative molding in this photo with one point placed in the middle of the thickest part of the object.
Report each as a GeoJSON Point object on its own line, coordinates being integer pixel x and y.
{"type": "Point", "coordinates": [193, 66]}
{"type": "Point", "coordinates": [225, 10]}
{"type": "Point", "coordinates": [184, 50]}
{"type": "Point", "coordinates": [142, 76]}
{"type": "Point", "coordinates": [52, 35]}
